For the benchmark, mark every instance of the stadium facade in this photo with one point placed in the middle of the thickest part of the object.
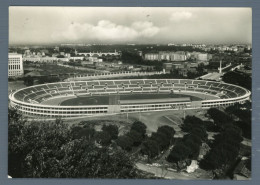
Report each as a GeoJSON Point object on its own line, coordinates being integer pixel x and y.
{"type": "Point", "coordinates": [30, 101]}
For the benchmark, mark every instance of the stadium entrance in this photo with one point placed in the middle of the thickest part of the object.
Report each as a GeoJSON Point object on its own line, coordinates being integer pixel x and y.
{"type": "Point", "coordinates": [114, 104]}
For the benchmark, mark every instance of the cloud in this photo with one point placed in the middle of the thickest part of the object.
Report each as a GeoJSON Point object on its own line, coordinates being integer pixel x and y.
{"type": "Point", "coordinates": [181, 16]}
{"type": "Point", "coordinates": [146, 29]}
{"type": "Point", "coordinates": [106, 30]}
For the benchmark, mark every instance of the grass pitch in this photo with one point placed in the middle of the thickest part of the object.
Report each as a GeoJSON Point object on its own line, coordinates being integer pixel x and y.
{"type": "Point", "coordinates": [104, 99]}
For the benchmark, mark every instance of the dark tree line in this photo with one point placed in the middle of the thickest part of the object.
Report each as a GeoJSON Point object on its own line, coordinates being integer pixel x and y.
{"type": "Point", "coordinates": [28, 80]}
{"type": "Point", "coordinates": [48, 79]}
{"type": "Point", "coordinates": [53, 150]}
{"type": "Point", "coordinates": [237, 78]}
{"type": "Point", "coordinates": [158, 141]}
{"type": "Point", "coordinates": [189, 146]}
{"type": "Point", "coordinates": [134, 137]}
{"type": "Point", "coordinates": [226, 145]}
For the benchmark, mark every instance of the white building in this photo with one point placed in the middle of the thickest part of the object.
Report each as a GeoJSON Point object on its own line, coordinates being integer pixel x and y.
{"type": "Point", "coordinates": [151, 56]}
{"type": "Point", "coordinates": [165, 55]}
{"type": "Point", "coordinates": [15, 65]}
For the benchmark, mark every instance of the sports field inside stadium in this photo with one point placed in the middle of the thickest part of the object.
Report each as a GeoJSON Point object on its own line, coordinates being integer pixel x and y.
{"type": "Point", "coordinates": [104, 99]}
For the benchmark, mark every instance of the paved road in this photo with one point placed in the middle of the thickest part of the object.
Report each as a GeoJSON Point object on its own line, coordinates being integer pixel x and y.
{"type": "Point", "coordinates": [164, 173]}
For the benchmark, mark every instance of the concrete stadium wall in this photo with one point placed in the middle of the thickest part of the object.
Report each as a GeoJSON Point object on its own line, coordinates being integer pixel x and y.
{"type": "Point", "coordinates": [50, 111]}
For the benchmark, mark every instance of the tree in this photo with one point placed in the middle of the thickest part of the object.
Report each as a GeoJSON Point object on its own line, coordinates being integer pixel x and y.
{"type": "Point", "coordinates": [179, 152]}
{"type": "Point", "coordinates": [237, 78]}
{"type": "Point", "coordinates": [220, 118]}
{"type": "Point", "coordinates": [51, 150]}
{"type": "Point", "coordinates": [190, 122]}
{"type": "Point", "coordinates": [85, 160]}
{"type": "Point", "coordinates": [125, 142]}
{"type": "Point", "coordinates": [162, 140]}
{"type": "Point", "coordinates": [103, 138]}
{"type": "Point", "coordinates": [245, 127]}
{"type": "Point", "coordinates": [35, 148]}
{"type": "Point", "coordinates": [224, 150]}
{"type": "Point", "coordinates": [112, 130]}
{"type": "Point", "coordinates": [167, 130]}
{"type": "Point", "coordinates": [28, 80]}
{"type": "Point", "coordinates": [136, 137]}
{"type": "Point", "coordinates": [150, 148]}
{"type": "Point", "coordinates": [48, 79]}
{"type": "Point", "coordinates": [140, 127]}
{"type": "Point", "coordinates": [79, 132]}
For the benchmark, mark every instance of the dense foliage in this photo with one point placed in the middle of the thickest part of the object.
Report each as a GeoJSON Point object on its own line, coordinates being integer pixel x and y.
{"type": "Point", "coordinates": [238, 78]}
{"type": "Point", "coordinates": [189, 146]}
{"type": "Point", "coordinates": [226, 145]}
{"type": "Point", "coordinates": [134, 137]}
{"type": "Point", "coordinates": [53, 149]}
{"type": "Point", "coordinates": [48, 79]}
{"type": "Point", "coordinates": [158, 141]}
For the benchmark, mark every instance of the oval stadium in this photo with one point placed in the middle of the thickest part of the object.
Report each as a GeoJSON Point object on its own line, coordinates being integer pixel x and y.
{"type": "Point", "coordinates": [89, 98]}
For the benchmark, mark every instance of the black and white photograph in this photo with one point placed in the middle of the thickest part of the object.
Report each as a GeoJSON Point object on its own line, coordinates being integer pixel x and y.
{"type": "Point", "coordinates": [130, 92]}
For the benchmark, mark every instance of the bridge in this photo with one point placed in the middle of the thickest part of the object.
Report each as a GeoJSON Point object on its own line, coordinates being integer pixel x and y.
{"type": "Point", "coordinates": [100, 54]}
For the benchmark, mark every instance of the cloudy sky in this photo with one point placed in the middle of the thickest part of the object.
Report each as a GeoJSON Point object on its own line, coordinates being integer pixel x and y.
{"type": "Point", "coordinates": [53, 25]}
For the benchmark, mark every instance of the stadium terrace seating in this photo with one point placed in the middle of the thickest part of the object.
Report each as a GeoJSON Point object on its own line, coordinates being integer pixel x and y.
{"type": "Point", "coordinates": [92, 83]}
{"type": "Point", "coordinates": [230, 88]}
{"type": "Point", "coordinates": [203, 86]}
{"type": "Point", "coordinates": [122, 82]}
{"type": "Point", "coordinates": [80, 83]}
{"type": "Point", "coordinates": [240, 92]}
{"type": "Point", "coordinates": [185, 81]}
{"type": "Point", "coordinates": [55, 94]}
{"type": "Point", "coordinates": [199, 82]}
{"type": "Point", "coordinates": [112, 86]}
{"type": "Point", "coordinates": [161, 81]}
{"type": "Point", "coordinates": [134, 85]}
{"type": "Point", "coordinates": [146, 85]}
{"type": "Point", "coordinates": [179, 85]}
{"type": "Point", "coordinates": [76, 88]}
{"type": "Point", "coordinates": [40, 99]}
{"type": "Point", "coordinates": [42, 92]}
{"type": "Point", "coordinates": [100, 86]}
{"type": "Point", "coordinates": [231, 94]}
{"type": "Point", "coordinates": [224, 86]}
{"type": "Point", "coordinates": [53, 86]}
{"type": "Point", "coordinates": [106, 82]}
{"type": "Point", "coordinates": [65, 84]}
{"type": "Point", "coordinates": [214, 88]}
{"type": "Point", "coordinates": [137, 81]}
{"type": "Point", "coordinates": [110, 90]}
{"type": "Point", "coordinates": [28, 91]}
{"type": "Point", "coordinates": [51, 91]}
{"type": "Point", "coordinates": [40, 87]}
{"type": "Point", "coordinates": [63, 93]}
{"type": "Point", "coordinates": [149, 81]}
{"type": "Point", "coordinates": [82, 91]}
{"type": "Point", "coordinates": [212, 84]}
{"type": "Point", "coordinates": [167, 85]}
{"type": "Point", "coordinates": [173, 81]}
{"type": "Point", "coordinates": [63, 89]}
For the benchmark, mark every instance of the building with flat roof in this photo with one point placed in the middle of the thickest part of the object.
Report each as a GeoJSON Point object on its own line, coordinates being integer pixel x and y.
{"type": "Point", "coordinates": [166, 56]}
{"type": "Point", "coordinates": [15, 65]}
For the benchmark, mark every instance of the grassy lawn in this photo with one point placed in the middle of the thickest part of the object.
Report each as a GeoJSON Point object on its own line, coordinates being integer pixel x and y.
{"type": "Point", "coordinates": [15, 85]}
{"type": "Point", "coordinates": [56, 69]}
